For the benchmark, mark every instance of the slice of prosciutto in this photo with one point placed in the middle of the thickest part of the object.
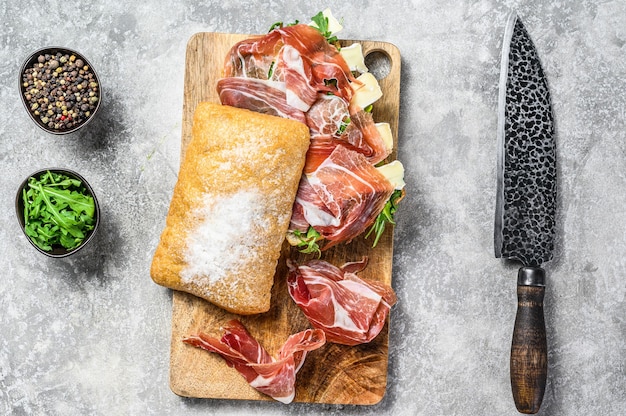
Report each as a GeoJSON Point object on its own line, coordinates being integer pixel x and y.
{"type": "Point", "coordinates": [363, 136]}
{"type": "Point", "coordinates": [350, 189]}
{"type": "Point", "coordinates": [273, 377]}
{"type": "Point", "coordinates": [349, 310]}
{"type": "Point", "coordinates": [262, 96]}
{"type": "Point", "coordinates": [299, 56]}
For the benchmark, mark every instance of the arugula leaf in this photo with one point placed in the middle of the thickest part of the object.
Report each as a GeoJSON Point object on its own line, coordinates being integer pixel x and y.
{"type": "Point", "coordinates": [78, 201]}
{"type": "Point", "coordinates": [279, 25]}
{"type": "Point", "coordinates": [322, 25]}
{"type": "Point", "coordinates": [386, 216]}
{"type": "Point", "coordinates": [276, 25]}
{"type": "Point", "coordinates": [270, 72]}
{"type": "Point", "coordinates": [343, 126]}
{"type": "Point", "coordinates": [57, 211]}
{"type": "Point", "coordinates": [308, 241]}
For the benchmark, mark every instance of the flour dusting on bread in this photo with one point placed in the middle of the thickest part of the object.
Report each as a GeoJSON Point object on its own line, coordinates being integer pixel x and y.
{"type": "Point", "coordinates": [224, 239]}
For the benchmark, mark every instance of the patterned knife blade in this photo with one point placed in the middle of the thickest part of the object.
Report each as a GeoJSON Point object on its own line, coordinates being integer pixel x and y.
{"type": "Point", "coordinates": [525, 204]}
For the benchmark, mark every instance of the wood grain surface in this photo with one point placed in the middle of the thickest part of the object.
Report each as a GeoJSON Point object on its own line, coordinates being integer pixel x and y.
{"type": "Point", "coordinates": [334, 374]}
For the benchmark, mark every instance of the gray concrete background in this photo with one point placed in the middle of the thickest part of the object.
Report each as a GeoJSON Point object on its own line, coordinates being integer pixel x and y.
{"type": "Point", "coordinates": [90, 336]}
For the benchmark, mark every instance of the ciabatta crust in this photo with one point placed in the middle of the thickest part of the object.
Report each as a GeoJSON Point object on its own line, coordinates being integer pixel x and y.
{"type": "Point", "coordinates": [231, 207]}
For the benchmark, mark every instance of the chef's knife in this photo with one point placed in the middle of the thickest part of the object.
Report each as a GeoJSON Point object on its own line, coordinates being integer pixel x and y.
{"type": "Point", "coordinates": [525, 204]}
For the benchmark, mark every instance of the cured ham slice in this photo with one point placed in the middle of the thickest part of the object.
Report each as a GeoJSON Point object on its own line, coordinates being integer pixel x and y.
{"type": "Point", "coordinates": [257, 95]}
{"type": "Point", "coordinates": [348, 309]}
{"type": "Point", "coordinates": [363, 136]}
{"type": "Point", "coordinates": [351, 189]}
{"type": "Point", "coordinates": [320, 148]}
{"type": "Point", "coordinates": [296, 72]}
{"type": "Point", "coordinates": [253, 57]}
{"type": "Point", "coordinates": [323, 59]}
{"type": "Point", "coordinates": [298, 54]}
{"type": "Point", "coordinates": [273, 377]}
{"type": "Point", "coordinates": [327, 115]}
{"type": "Point", "coordinates": [309, 209]}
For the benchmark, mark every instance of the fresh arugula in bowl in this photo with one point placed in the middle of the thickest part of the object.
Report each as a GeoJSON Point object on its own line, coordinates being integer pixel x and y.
{"type": "Point", "coordinates": [58, 211]}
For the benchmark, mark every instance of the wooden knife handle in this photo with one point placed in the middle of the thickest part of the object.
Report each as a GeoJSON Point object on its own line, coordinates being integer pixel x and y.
{"type": "Point", "coordinates": [529, 350]}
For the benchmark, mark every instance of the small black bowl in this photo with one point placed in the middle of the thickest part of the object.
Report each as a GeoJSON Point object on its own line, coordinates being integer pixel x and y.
{"type": "Point", "coordinates": [57, 251]}
{"type": "Point", "coordinates": [51, 92]}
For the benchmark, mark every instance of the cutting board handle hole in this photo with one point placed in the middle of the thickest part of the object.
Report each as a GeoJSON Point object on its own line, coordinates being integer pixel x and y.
{"type": "Point", "coordinates": [378, 63]}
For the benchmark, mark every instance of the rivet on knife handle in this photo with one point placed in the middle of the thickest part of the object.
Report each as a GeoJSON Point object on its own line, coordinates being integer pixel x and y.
{"type": "Point", "coordinates": [529, 361]}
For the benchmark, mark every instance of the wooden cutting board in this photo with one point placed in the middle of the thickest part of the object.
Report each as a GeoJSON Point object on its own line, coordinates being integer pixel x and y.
{"type": "Point", "coordinates": [334, 374]}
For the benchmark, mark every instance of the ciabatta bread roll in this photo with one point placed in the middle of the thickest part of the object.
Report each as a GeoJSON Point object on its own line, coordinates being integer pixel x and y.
{"type": "Point", "coordinates": [231, 207]}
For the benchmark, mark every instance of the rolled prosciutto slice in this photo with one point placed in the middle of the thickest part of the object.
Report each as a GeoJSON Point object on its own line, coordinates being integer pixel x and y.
{"type": "Point", "coordinates": [348, 309]}
{"type": "Point", "coordinates": [273, 377]}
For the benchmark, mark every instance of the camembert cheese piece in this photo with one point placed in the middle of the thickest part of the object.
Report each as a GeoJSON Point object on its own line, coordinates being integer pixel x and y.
{"type": "Point", "coordinates": [394, 172]}
{"type": "Point", "coordinates": [353, 55]}
{"type": "Point", "coordinates": [366, 90]}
